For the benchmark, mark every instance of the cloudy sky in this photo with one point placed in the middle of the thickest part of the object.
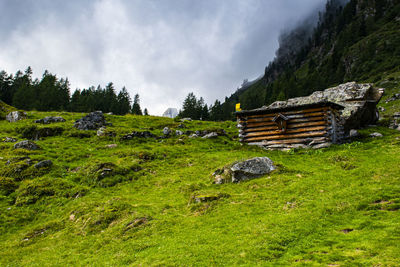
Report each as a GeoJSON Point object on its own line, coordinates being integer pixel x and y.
{"type": "Point", "coordinates": [161, 49]}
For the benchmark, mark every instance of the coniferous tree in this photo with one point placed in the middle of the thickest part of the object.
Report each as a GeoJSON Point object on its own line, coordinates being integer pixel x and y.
{"type": "Point", "coordinates": [136, 106]}
{"type": "Point", "coordinates": [124, 102]}
{"type": "Point", "coordinates": [146, 112]}
{"type": "Point", "coordinates": [189, 107]}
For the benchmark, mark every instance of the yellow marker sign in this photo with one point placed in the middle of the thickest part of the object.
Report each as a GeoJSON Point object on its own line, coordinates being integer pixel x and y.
{"type": "Point", "coordinates": [238, 107]}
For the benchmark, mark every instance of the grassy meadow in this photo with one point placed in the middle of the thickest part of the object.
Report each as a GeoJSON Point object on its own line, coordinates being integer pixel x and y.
{"type": "Point", "coordinates": [132, 204]}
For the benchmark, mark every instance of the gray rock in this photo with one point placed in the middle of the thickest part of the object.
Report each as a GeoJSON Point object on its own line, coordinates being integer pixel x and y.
{"type": "Point", "coordinates": [43, 164]}
{"type": "Point", "coordinates": [166, 131]}
{"type": "Point", "coordinates": [50, 119]}
{"type": "Point", "coordinates": [210, 135]}
{"type": "Point", "coordinates": [92, 121]}
{"type": "Point", "coordinates": [10, 140]}
{"type": "Point", "coordinates": [381, 109]}
{"type": "Point", "coordinates": [354, 133]}
{"type": "Point", "coordinates": [178, 132]}
{"type": "Point", "coordinates": [16, 116]}
{"type": "Point", "coordinates": [376, 134]}
{"type": "Point", "coordinates": [144, 134]}
{"type": "Point", "coordinates": [186, 119]}
{"type": "Point", "coordinates": [193, 136]}
{"type": "Point", "coordinates": [251, 168]}
{"type": "Point", "coordinates": [322, 145]}
{"type": "Point", "coordinates": [104, 132]}
{"type": "Point", "coordinates": [359, 101]}
{"type": "Point", "coordinates": [181, 125]}
{"type": "Point", "coordinates": [26, 144]}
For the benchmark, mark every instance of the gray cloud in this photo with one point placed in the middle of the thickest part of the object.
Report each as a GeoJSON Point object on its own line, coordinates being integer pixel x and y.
{"type": "Point", "coordinates": [160, 49]}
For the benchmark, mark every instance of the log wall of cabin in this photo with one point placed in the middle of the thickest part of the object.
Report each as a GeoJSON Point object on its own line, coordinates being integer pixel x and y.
{"type": "Point", "coordinates": [317, 125]}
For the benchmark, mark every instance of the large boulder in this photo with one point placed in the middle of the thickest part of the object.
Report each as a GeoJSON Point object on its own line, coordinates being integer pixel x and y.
{"type": "Point", "coordinates": [92, 121]}
{"type": "Point", "coordinates": [359, 101]}
{"type": "Point", "coordinates": [244, 170]}
{"type": "Point", "coordinates": [15, 116]}
{"type": "Point", "coordinates": [251, 168]}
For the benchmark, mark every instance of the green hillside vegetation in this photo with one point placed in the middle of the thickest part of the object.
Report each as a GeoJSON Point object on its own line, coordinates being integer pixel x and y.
{"type": "Point", "coordinates": [133, 204]}
{"type": "Point", "coordinates": [358, 42]}
{"type": "Point", "coordinates": [5, 109]}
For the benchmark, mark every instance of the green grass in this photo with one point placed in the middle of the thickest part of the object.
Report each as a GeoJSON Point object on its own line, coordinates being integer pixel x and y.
{"type": "Point", "coordinates": [338, 205]}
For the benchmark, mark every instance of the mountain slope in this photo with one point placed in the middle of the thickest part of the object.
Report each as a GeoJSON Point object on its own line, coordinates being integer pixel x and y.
{"type": "Point", "coordinates": [133, 203]}
{"type": "Point", "coordinates": [359, 41]}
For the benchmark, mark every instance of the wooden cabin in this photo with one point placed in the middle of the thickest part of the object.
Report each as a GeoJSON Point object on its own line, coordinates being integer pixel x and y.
{"type": "Point", "coordinates": [309, 125]}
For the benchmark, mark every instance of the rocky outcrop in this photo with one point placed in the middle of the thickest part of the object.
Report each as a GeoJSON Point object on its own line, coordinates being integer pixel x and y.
{"type": "Point", "coordinates": [359, 101]}
{"type": "Point", "coordinates": [92, 121]}
{"type": "Point", "coordinates": [244, 170]}
{"type": "Point", "coordinates": [50, 119]}
{"type": "Point", "coordinates": [16, 116]}
{"type": "Point", "coordinates": [26, 144]}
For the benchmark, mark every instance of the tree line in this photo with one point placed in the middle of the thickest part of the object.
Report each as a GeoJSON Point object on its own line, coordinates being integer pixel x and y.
{"type": "Point", "coordinates": [51, 93]}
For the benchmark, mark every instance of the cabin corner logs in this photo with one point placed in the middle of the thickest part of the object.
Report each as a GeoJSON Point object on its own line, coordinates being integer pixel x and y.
{"type": "Point", "coordinates": [312, 125]}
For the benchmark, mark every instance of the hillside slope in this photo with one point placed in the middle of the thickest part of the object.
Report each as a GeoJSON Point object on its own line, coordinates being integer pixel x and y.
{"type": "Point", "coordinates": [132, 204]}
{"type": "Point", "coordinates": [357, 42]}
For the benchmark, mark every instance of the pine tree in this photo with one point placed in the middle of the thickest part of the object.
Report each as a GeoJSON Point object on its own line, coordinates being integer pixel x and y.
{"type": "Point", "coordinates": [124, 102]}
{"type": "Point", "coordinates": [136, 106]}
{"type": "Point", "coordinates": [146, 112]}
{"type": "Point", "coordinates": [189, 107]}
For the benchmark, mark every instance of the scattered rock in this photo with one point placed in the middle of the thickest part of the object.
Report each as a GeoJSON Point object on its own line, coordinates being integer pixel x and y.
{"type": "Point", "coordinates": [210, 135]}
{"type": "Point", "coordinates": [193, 136]}
{"type": "Point", "coordinates": [186, 119]}
{"type": "Point", "coordinates": [10, 140]}
{"type": "Point", "coordinates": [166, 131]}
{"type": "Point", "coordinates": [359, 101]}
{"type": "Point", "coordinates": [393, 98]}
{"type": "Point", "coordinates": [92, 121]}
{"type": "Point", "coordinates": [16, 116]}
{"type": "Point", "coordinates": [322, 145]}
{"type": "Point", "coordinates": [347, 230]}
{"type": "Point", "coordinates": [354, 133]}
{"type": "Point", "coordinates": [395, 122]}
{"type": "Point", "coordinates": [381, 109]}
{"type": "Point", "coordinates": [26, 144]}
{"type": "Point", "coordinates": [201, 198]}
{"type": "Point", "coordinates": [251, 168]}
{"type": "Point", "coordinates": [376, 134]}
{"type": "Point", "coordinates": [178, 132]}
{"type": "Point", "coordinates": [50, 119]}
{"type": "Point", "coordinates": [102, 131]}
{"type": "Point", "coordinates": [44, 164]}
{"type": "Point", "coordinates": [144, 134]}
{"type": "Point", "coordinates": [111, 146]}
{"type": "Point", "coordinates": [181, 126]}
